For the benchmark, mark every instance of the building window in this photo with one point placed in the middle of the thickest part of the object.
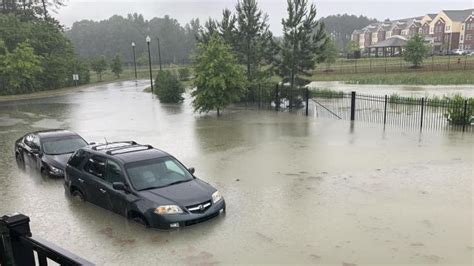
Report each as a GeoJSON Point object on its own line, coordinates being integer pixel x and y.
{"type": "Point", "coordinates": [448, 28]}
{"type": "Point", "coordinates": [469, 26]}
{"type": "Point", "coordinates": [468, 37]}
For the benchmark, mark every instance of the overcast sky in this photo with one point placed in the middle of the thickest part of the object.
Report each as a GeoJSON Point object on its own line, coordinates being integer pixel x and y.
{"type": "Point", "coordinates": [185, 10]}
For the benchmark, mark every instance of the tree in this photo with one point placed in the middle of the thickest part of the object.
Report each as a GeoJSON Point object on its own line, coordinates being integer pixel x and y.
{"type": "Point", "coordinates": [168, 87]}
{"type": "Point", "coordinates": [218, 79]}
{"type": "Point", "coordinates": [116, 65]}
{"type": "Point", "coordinates": [184, 73]}
{"type": "Point", "coordinates": [330, 53]}
{"type": "Point", "coordinates": [19, 68]}
{"type": "Point", "coordinates": [416, 50]}
{"type": "Point", "coordinates": [352, 47]}
{"type": "Point", "coordinates": [303, 40]}
{"type": "Point", "coordinates": [99, 65]}
{"type": "Point", "coordinates": [342, 27]}
{"type": "Point", "coordinates": [253, 41]}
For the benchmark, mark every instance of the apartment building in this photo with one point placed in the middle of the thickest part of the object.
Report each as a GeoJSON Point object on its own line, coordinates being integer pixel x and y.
{"type": "Point", "coordinates": [446, 30]}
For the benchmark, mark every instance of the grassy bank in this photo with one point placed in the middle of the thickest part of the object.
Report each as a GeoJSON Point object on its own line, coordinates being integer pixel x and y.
{"type": "Point", "coordinates": [411, 78]}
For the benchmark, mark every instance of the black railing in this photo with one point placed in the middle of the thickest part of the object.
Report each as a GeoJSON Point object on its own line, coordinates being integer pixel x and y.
{"type": "Point", "coordinates": [19, 247]}
{"type": "Point", "coordinates": [407, 112]}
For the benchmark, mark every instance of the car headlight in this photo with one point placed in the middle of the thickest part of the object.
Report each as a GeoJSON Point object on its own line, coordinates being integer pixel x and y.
{"type": "Point", "coordinates": [216, 197]}
{"type": "Point", "coordinates": [168, 209]}
{"type": "Point", "coordinates": [55, 170]}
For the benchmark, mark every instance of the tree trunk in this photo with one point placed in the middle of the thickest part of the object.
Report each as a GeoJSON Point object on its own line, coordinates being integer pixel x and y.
{"type": "Point", "coordinates": [44, 9]}
{"type": "Point", "coordinates": [218, 112]}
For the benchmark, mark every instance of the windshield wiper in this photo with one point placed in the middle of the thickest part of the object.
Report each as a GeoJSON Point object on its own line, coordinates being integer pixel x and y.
{"type": "Point", "coordinates": [178, 182]}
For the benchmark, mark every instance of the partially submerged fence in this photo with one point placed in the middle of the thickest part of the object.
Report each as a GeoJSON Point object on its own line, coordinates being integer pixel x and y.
{"type": "Point", "coordinates": [418, 113]}
{"type": "Point", "coordinates": [19, 247]}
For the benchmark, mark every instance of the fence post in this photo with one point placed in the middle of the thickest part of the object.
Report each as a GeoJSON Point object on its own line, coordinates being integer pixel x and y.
{"type": "Point", "coordinates": [385, 111]}
{"type": "Point", "coordinates": [422, 109]}
{"type": "Point", "coordinates": [307, 101]}
{"type": "Point", "coordinates": [259, 96]}
{"type": "Point", "coordinates": [12, 250]}
{"type": "Point", "coordinates": [353, 103]}
{"type": "Point", "coordinates": [465, 118]}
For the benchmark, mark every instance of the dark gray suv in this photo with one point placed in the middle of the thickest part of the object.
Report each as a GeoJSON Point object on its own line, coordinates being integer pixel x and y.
{"type": "Point", "coordinates": [141, 183]}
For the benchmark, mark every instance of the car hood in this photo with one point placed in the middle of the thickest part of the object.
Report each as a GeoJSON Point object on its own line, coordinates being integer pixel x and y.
{"type": "Point", "coordinates": [184, 194]}
{"type": "Point", "coordinates": [58, 161]}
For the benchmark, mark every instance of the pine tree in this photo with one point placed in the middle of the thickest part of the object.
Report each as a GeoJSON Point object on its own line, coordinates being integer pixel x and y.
{"type": "Point", "coordinates": [116, 65]}
{"type": "Point", "coordinates": [304, 40]}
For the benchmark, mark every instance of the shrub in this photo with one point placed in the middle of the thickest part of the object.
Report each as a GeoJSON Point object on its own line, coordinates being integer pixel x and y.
{"type": "Point", "coordinates": [168, 88]}
{"type": "Point", "coordinates": [184, 73]}
{"type": "Point", "coordinates": [455, 113]}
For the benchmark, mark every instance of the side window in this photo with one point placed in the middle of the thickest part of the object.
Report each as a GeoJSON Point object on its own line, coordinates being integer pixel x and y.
{"type": "Point", "coordinates": [95, 166]}
{"type": "Point", "coordinates": [171, 166]}
{"type": "Point", "coordinates": [36, 142]}
{"type": "Point", "coordinates": [113, 172]}
{"type": "Point", "coordinates": [77, 158]}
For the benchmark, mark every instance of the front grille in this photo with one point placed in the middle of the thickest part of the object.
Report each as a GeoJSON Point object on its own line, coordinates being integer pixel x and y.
{"type": "Point", "coordinates": [200, 207]}
{"type": "Point", "coordinates": [200, 220]}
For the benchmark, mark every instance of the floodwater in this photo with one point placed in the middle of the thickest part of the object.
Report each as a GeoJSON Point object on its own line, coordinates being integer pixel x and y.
{"type": "Point", "coordinates": [403, 90]}
{"type": "Point", "coordinates": [298, 190]}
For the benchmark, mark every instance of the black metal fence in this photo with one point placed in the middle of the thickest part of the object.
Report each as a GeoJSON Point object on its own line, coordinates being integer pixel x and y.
{"type": "Point", "coordinates": [19, 247]}
{"type": "Point", "coordinates": [418, 113]}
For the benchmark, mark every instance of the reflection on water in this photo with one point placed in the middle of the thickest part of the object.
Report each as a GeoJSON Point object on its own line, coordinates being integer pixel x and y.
{"type": "Point", "coordinates": [299, 190]}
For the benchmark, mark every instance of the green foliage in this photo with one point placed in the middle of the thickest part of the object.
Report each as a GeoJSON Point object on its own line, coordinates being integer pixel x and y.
{"type": "Point", "coordinates": [19, 68]}
{"type": "Point", "coordinates": [416, 50]}
{"type": "Point", "coordinates": [116, 65]}
{"type": "Point", "coordinates": [142, 60]}
{"type": "Point", "coordinates": [168, 88]}
{"type": "Point", "coordinates": [184, 73]}
{"type": "Point", "coordinates": [326, 93]}
{"type": "Point", "coordinates": [330, 53]}
{"type": "Point", "coordinates": [99, 65]}
{"type": "Point", "coordinates": [457, 114]}
{"type": "Point", "coordinates": [303, 42]}
{"type": "Point", "coordinates": [51, 48]}
{"type": "Point", "coordinates": [218, 79]}
{"type": "Point", "coordinates": [351, 47]}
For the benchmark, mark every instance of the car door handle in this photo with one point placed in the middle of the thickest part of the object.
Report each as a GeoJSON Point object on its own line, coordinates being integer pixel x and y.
{"type": "Point", "coordinates": [102, 190]}
{"type": "Point", "coordinates": [80, 180]}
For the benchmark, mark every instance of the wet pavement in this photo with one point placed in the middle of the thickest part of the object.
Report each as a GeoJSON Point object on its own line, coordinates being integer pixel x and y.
{"type": "Point", "coordinates": [298, 190]}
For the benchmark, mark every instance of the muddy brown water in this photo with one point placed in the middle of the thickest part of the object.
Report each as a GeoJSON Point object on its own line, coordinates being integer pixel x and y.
{"type": "Point", "coordinates": [298, 190]}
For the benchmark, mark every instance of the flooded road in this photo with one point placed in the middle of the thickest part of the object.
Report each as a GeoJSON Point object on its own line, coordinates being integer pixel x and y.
{"type": "Point", "coordinates": [402, 90]}
{"type": "Point", "coordinates": [298, 190]}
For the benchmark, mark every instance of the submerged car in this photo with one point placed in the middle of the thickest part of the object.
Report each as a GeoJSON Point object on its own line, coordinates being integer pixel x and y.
{"type": "Point", "coordinates": [142, 183]}
{"type": "Point", "coordinates": [47, 151]}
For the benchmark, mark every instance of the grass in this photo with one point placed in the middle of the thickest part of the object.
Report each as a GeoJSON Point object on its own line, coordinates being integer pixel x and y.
{"type": "Point", "coordinates": [411, 78]}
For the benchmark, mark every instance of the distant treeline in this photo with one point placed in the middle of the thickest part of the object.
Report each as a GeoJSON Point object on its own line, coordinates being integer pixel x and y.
{"type": "Point", "coordinates": [116, 34]}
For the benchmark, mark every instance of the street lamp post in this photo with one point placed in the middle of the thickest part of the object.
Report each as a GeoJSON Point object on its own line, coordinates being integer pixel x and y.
{"type": "Point", "coordinates": [134, 59]}
{"type": "Point", "coordinates": [159, 52]}
{"type": "Point", "coordinates": [148, 40]}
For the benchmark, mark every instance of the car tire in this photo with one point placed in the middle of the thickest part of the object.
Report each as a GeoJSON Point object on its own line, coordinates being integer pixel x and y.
{"type": "Point", "coordinates": [78, 195]}
{"type": "Point", "coordinates": [20, 162]}
{"type": "Point", "coordinates": [140, 220]}
{"type": "Point", "coordinates": [44, 173]}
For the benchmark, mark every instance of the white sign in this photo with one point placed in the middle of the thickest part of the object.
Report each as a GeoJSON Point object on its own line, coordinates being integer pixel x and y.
{"type": "Point", "coordinates": [75, 76]}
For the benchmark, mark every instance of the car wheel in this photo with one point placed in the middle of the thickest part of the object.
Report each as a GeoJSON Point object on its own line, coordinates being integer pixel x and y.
{"type": "Point", "coordinates": [78, 195]}
{"type": "Point", "coordinates": [140, 220]}
{"type": "Point", "coordinates": [19, 162]}
{"type": "Point", "coordinates": [44, 173]}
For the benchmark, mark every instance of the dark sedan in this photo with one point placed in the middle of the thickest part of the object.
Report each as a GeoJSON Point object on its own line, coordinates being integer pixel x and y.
{"type": "Point", "coordinates": [143, 184]}
{"type": "Point", "coordinates": [47, 151]}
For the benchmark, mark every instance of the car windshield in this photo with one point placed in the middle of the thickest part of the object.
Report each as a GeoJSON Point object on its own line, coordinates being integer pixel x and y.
{"type": "Point", "coordinates": [62, 146]}
{"type": "Point", "coordinates": [157, 173]}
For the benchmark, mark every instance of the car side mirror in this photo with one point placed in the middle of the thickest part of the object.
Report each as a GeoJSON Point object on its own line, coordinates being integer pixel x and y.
{"type": "Point", "coordinates": [92, 143]}
{"type": "Point", "coordinates": [35, 151]}
{"type": "Point", "coordinates": [119, 186]}
{"type": "Point", "coordinates": [191, 170]}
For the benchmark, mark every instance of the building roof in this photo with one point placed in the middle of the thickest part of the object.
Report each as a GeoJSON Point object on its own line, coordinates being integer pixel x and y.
{"type": "Point", "coordinates": [394, 41]}
{"type": "Point", "coordinates": [432, 16]}
{"type": "Point", "coordinates": [458, 15]}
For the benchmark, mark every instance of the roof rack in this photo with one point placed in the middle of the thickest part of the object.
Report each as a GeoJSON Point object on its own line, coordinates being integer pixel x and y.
{"type": "Point", "coordinates": [104, 145]}
{"type": "Point", "coordinates": [129, 148]}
